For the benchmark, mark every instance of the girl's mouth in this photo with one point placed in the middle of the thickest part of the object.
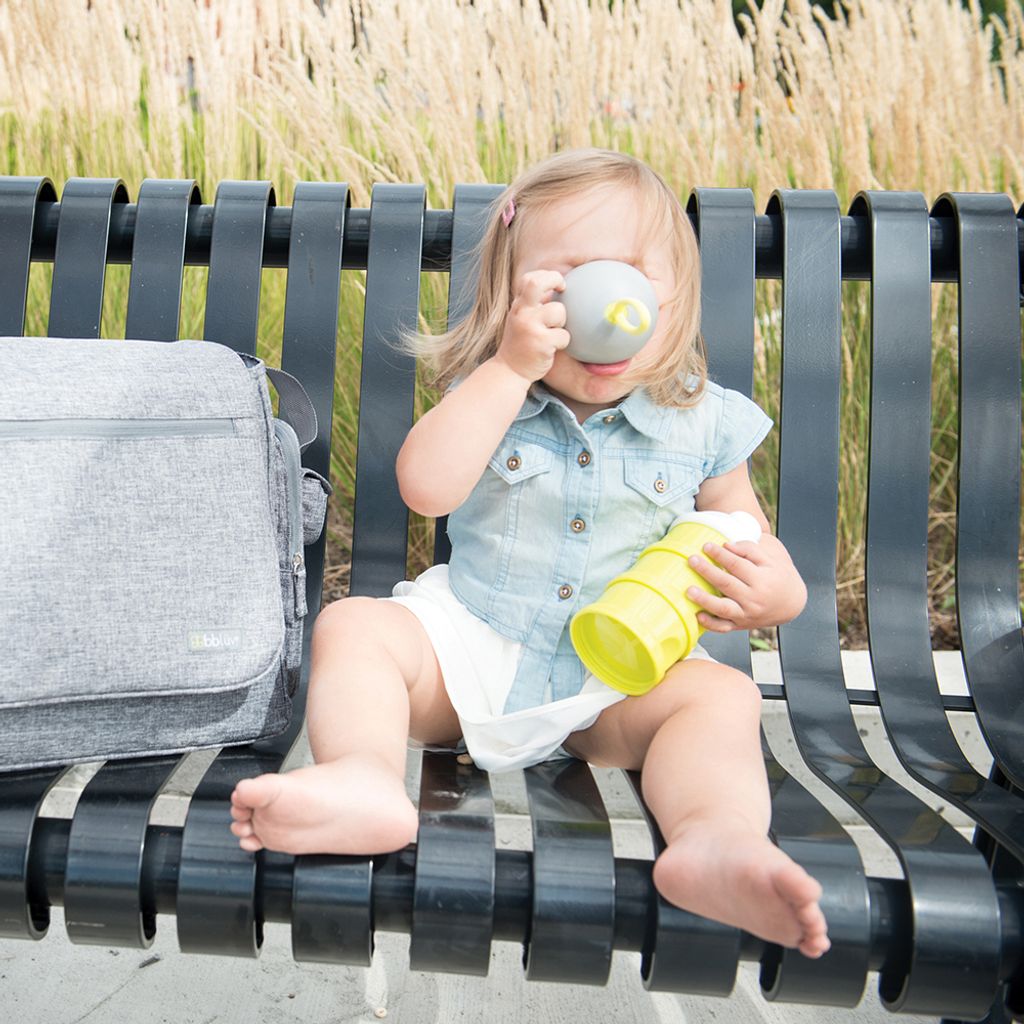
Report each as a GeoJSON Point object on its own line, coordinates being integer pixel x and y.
{"type": "Point", "coordinates": [606, 369]}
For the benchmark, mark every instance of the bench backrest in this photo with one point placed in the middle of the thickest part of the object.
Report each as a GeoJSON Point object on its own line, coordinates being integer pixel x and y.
{"type": "Point", "coordinates": [802, 238]}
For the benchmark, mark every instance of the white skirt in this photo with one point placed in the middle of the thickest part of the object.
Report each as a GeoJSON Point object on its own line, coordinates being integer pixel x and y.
{"type": "Point", "coordinates": [479, 665]}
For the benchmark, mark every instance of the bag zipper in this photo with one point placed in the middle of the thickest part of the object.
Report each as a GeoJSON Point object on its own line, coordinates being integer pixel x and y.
{"type": "Point", "coordinates": [293, 473]}
{"type": "Point", "coordinates": [116, 428]}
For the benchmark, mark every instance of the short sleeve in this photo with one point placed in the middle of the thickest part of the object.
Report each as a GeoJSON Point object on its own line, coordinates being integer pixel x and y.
{"type": "Point", "coordinates": [742, 428]}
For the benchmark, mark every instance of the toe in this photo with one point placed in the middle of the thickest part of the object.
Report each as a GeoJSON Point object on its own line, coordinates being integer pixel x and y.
{"type": "Point", "coordinates": [796, 887]}
{"type": "Point", "coordinates": [810, 917]}
{"type": "Point", "coordinates": [816, 947]}
{"type": "Point", "coordinates": [242, 829]}
{"type": "Point", "coordinates": [258, 792]}
{"type": "Point", "coordinates": [250, 844]}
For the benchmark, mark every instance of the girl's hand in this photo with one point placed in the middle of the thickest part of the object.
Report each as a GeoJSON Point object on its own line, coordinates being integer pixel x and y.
{"type": "Point", "coordinates": [759, 583]}
{"type": "Point", "coordinates": [535, 325]}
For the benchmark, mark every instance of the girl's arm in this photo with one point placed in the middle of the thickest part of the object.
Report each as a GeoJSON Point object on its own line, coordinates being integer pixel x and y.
{"type": "Point", "coordinates": [447, 450]}
{"type": "Point", "coordinates": [759, 583]}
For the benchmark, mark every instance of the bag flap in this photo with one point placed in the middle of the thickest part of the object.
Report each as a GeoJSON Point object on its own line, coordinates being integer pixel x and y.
{"type": "Point", "coordinates": [64, 378]}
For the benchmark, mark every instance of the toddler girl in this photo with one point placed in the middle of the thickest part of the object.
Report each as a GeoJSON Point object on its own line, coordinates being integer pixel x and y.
{"type": "Point", "coordinates": [555, 474]}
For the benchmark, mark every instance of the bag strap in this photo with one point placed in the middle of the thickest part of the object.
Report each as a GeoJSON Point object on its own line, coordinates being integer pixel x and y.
{"type": "Point", "coordinates": [294, 407]}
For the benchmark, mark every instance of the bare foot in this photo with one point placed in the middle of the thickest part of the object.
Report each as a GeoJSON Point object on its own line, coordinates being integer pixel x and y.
{"type": "Point", "coordinates": [354, 805]}
{"type": "Point", "coordinates": [719, 870]}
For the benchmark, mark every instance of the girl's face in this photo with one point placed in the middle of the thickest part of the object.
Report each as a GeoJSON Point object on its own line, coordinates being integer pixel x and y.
{"type": "Point", "coordinates": [603, 224]}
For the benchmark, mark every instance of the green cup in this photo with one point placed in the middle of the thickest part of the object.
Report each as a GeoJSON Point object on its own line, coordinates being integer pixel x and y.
{"type": "Point", "coordinates": [644, 623]}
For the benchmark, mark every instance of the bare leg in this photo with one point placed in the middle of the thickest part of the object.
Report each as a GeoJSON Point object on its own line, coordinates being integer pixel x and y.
{"type": "Point", "coordinates": [373, 674]}
{"type": "Point", "coordinates": [696, 739]}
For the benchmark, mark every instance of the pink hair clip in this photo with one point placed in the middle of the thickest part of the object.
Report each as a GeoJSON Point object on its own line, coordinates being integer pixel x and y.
{"type": "Point", "coordinates": [508, 213]}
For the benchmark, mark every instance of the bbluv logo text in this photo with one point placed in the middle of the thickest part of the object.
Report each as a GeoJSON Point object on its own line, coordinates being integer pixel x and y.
{"type": "Point", "coordinates": [214, 641]}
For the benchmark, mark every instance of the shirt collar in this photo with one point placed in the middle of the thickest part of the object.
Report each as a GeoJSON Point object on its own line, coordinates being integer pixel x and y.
{"type": "Point", "coordinates": [651, 420]}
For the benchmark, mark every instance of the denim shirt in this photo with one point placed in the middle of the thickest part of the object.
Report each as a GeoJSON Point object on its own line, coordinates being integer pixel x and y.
{"type": "Point", "coordinates": [562, 507]}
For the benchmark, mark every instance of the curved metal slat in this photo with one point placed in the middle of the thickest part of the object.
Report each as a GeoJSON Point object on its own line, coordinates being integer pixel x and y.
{"type": "Point", "coordinates": [216, 902]}
{"type": "Point", "coordinates": [309, 344]}
{"type": "Point", "coordinates": [953, 963]}
{"type": "Point", "coordinates": [311, 304]}
{"type": "Point", "coordinates": [897, 522]}
{"type": "Point", "coordinates": [80, 260]}
{"type": "Point", "coordinates": [810, 834]}
{"type": "Point", "coordinates": [236, 263]}
{"type": "Point", "coordinates": [24, 914]}
{"type": "Point", "coordinates": [453, 901]}
{"type": "Point", "coordinates": [725, 226]}
{"type": "Point", "coordinates": [103, 903]}
{"type": "Point", "coordinates": [725, 223]}
{"type": "Point", "coordinates": [19, 199]}
{"type": "Point", "coordinates": [1020, 251]}
{"type": "Point", "coordinates": [386, 388]}
{"type": "Point", "coordinates": [689, 954]}
{"type": "Point", "coordinates": [471, 212]}
{"type": "Point", "coordinates": [573, 915]}
{"type": "Point", "coordinates": [988, 484]}
{"type": "Point", "coordinates": [684, 952]}
{"type": "Point", "coordinates": [217, 910]}
{"type": "Point", "coordinates": [471, 208]}
{"type": "Point", "coordinates": [158, 258]}
{"type": "Point", "coordinates": [332, 910]}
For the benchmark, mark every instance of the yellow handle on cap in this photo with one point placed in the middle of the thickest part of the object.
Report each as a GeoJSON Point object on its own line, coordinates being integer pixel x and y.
{"type": "Point", "coordinates": [617, 313]}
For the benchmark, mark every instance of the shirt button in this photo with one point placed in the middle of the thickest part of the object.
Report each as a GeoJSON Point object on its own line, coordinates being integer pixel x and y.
{"type": "Point", "coordinates": [578, 526]}
{"type": "Point", "coordinates": [513, 462]}
{"type": "Point", "coordinates": [583, 458]}
{"type": "Point", "coordinates": [659, 485]}
{"type": "Point", "coordinates": [565, 591]}
{"type": "Point", "coordinates": [609, 419]}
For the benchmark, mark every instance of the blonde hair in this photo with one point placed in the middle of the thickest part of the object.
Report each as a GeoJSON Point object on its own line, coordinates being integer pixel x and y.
{"type": "Point", "coordinates": [680, 373]}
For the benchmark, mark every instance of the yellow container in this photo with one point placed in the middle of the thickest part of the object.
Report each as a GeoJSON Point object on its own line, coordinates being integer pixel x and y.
{"type": "Point", "coordinates": [644, 623]}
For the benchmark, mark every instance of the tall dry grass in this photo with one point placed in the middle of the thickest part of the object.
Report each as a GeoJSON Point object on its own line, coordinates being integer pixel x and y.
{"type": "Point", "coordinates": [892, 94]}
{"type": "Point", "coordinates": [888, 95]}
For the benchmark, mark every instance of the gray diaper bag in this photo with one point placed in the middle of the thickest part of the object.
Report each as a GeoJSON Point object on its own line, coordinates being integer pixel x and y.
{"type": "Point", "coordinates": [153, 514]}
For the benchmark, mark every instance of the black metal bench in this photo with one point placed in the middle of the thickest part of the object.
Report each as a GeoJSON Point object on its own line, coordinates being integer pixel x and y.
{"type": "Point", "coordinates": [947, 939]}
